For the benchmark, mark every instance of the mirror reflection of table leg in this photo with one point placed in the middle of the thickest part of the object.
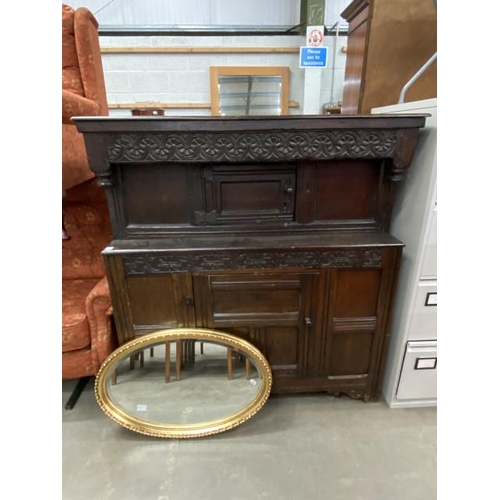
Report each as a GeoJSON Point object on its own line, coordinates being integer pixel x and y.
{"type": "Point", "coordinates": [229, 364]}
{"type": "Point", "coordinates": [134, 357]}
{"type": "Point", "coordinates": [248, 365]}
{"type": "Point", "coordinates": [167, 361]}
{"type": "Point", "coordinates": [178, 359]}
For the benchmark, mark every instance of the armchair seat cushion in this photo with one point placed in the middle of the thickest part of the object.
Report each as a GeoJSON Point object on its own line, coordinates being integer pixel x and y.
{"type": "Point", "coordinates": [75, 324]}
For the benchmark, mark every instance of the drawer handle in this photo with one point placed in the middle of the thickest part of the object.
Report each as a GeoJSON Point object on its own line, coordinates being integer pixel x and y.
{"type": "Point", "coordinates": [431, 299]}
{"type": "Point", "coordinates": [289, 190]}
{"type": "Point", "coordinates": [308, 321]}
{"type": "Point", "coordinates": [425, 364]}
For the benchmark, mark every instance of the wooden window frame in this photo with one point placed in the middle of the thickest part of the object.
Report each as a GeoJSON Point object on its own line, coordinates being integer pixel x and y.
{"type": "Point", "coordinates": [282, 71]}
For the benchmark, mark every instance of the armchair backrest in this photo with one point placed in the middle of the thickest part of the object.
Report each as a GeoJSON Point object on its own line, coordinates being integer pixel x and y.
{"type": "Point", "coordinates": [83, 89]}
{"type": "Point", "coordinates": [82, 71]}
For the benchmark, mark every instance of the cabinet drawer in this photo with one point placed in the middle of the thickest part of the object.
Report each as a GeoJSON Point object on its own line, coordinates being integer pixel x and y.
{"type": "Point", "coordinates": [423, 324]}
{"type": "Point", "coordinates": [419, 372]}
{"type": "Point", "coordinates": [429, 263]}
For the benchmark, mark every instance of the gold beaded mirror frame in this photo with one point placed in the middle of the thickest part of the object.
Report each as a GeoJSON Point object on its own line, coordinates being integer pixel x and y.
{"type": "Point", "coordinates": [183, 383]}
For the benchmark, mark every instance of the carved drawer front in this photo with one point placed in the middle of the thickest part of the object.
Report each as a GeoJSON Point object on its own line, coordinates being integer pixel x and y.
{"type": "Point", "coordinates": [270, 310]}
{"type": "Point", "coordinates": [255, 194]}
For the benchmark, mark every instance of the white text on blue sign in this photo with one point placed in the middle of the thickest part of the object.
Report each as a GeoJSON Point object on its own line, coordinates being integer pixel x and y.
{"type": "Point", "coordinates": [313, 57]}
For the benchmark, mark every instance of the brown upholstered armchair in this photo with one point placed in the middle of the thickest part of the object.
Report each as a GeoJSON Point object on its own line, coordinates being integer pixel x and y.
{"type": "Point", "coordinates": [83, 89]}
{"type": "Point", "coordinates": [87, 322]}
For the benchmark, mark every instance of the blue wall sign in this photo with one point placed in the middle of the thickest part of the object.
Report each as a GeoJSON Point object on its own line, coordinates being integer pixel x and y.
{"type": "Point", "coordinates": [313, 57]}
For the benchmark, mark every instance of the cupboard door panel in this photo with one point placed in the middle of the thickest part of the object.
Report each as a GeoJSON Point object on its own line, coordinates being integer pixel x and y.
{"type": "Point", "coordinates": [356, 293]}
{"type": "Point", "coordinates": [282, 345]}
{"type": "Point", "coordinates": [244, 333]}
{"type": "Point", "coordinates": [348, 353]}
{"type": "Point", "coordinates": [247, 194]}
{"type": "Point", "coordinates": [268, 309]}
{"type": "Point", "coordinates": [160, 301]}
{"type": "Point", "coordinates": [156, 195]}
{"type": "Point", "coordinates": [352, 322]}
{"type": "Point", "coordinates": [346, 191]}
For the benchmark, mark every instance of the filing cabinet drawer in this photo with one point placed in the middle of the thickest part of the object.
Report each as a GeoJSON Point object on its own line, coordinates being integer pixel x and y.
{"type": "Point", "coordinates": [423, 325]}
{"type": "Point", "coordinates": [419, 372]}
{"type": "Point", "coordinates": [429, 263]}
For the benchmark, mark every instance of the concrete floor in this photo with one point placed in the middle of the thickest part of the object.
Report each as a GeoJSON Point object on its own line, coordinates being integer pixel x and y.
{"type": "Point", "coordinates": [296, 448]}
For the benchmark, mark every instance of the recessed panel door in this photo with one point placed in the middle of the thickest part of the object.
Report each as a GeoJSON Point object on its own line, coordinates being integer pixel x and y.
{"type": "Point", "coordinates": [272, 310]}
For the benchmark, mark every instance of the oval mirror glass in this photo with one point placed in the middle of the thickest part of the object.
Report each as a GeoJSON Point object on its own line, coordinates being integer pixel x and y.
{"type": "Point", "coordinates": [183, 383]}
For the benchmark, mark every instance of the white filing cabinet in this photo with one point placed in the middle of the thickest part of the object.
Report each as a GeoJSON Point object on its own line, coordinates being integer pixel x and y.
{"type": "Point", "coordinates": [411, 370]}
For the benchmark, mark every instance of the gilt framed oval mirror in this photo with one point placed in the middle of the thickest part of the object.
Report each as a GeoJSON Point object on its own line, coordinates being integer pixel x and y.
{"type": "Point", "coordinates": [183, 383]}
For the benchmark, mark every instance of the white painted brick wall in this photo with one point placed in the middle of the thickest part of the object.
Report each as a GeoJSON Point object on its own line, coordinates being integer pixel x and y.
{"type": "Point", "coordinates": [181, 78]}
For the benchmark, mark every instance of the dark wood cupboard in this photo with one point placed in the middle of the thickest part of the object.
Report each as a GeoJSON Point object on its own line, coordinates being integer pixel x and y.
{"type": "Point", "coordinates": [388, 42]}
{"type": "Point", "coordinates": [273, 229]}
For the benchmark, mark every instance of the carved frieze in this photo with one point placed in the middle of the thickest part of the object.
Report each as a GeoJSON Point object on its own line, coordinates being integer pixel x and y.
{"type": "Point", "coordinates": [252, 146]}
{"type": "Point", "coordinates": [225, 260]}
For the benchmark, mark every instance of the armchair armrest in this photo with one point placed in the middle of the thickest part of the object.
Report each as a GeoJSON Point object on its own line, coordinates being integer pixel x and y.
{"type": "Point", "coordinates": [76, 105]}
{"type": "Point", "coordinates": [99, 311]}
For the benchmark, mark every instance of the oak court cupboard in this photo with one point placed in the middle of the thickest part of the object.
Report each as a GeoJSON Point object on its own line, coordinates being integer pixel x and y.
{"type": "Point", "coordinates": [274, 229]}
